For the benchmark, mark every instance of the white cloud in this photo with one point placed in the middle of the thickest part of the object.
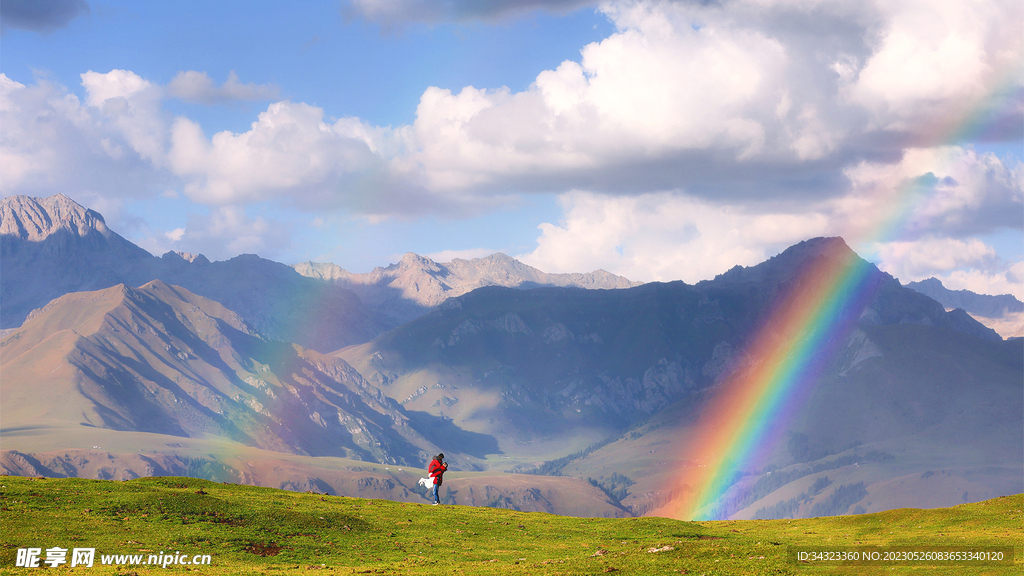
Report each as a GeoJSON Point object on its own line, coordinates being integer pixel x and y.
{"type": "Point", "coordinates": [664, 237]}
{"type": "Point", "coordinates": [730, 101]}
{"type": "Point", "coordinates": [175, 235]}
{"type": "Point", "coordinates": [942, 191]}
{"type": "Point", "coordinates": [768, 122]}
{"type": "Point", "coordinates": [736, 99]}
{"type": "Point", "coordinates": [53, 143]}
{"type": "Point", "coordinates": [290, 152]}
{"type": "Point", "coordinates": [933, 203]}
{"type": "Point", "coordinates": [131, 105]}
{"type": "Point", "coordinates": [919, 259]}
{"type": "Point", "coordinates": [933, 62]}
{"type": "Point", "coordinates": [1008, 281]}
{"type": "Point", "coordinates": [224, 233]}
{"type": "Point", "coordinates": [193, 86]}
{"type": "Point", "coordinates": [968, 264]}
{"type": "Point", "coordinates": [631, 99]}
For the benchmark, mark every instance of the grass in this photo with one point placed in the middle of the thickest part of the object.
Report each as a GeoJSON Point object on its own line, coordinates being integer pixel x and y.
{"type": "Point", "coordinates": [253, 530]}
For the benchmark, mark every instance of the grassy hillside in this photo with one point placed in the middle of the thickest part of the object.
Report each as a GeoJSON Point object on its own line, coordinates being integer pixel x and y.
{"type": "Point", "coordinates": [266, 531]}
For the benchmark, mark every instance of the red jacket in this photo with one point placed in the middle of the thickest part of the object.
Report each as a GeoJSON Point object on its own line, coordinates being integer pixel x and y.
{"type": "Point", "coordinates": [436, 471]}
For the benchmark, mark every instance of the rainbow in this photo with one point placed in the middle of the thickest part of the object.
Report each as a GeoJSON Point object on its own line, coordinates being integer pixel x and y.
{"type": "Point", "coordinates": [797, 339]}
{"type": "Point", "coordinates": [745, 415]}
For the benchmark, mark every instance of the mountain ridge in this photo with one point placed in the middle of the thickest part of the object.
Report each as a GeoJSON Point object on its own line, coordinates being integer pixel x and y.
{"type": "Point", "coordinates": [53, 246]}
{"type": "Point", "coordinates": [1002, 313]}
{"type": "Point", "coordinates": [416, 284]}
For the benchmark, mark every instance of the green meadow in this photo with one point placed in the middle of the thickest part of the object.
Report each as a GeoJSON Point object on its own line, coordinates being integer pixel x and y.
{"type": "Point", "coordinates": [252, 530]}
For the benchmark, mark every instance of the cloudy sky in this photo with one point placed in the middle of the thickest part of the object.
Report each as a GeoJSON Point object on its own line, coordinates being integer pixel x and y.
{"type": "Point", "coordinates": [657, 140]}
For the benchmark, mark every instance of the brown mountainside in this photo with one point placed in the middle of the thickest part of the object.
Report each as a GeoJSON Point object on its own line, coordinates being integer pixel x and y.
{"type": "Point", "coordinates": [161, 359]}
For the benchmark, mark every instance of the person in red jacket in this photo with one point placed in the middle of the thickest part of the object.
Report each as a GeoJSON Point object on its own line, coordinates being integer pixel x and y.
{"type": "Point", "coordinates": [436, 470]}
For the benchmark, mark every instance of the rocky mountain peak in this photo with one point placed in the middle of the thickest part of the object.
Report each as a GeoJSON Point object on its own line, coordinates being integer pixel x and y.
{"type": "Point", "coordinates": [35, 219]}
{"type": "Point", "coordinates": [783, 266]}
{"type": "Point", "coordinates": [414, 261]}
{"type": "Point", "coordinates": [186, 256]}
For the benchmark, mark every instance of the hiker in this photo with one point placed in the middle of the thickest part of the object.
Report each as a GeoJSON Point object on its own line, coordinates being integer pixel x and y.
{"type": "Point", "coordinates": [436, 470]}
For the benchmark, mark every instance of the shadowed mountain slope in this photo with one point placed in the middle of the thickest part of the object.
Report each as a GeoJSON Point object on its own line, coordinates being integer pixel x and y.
{"type": "Point", "coordinates": [912, 415]}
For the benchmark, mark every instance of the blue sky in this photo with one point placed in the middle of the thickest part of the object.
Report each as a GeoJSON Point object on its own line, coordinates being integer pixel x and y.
{"type": "Point", "coordinates": [657, 140]}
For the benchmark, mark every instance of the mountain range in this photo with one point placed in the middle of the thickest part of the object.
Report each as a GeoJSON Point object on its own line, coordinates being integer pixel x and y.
{"type": "Point", "coordinates": [52, 246]}
{"type": "Point", "coordinates": [1003, 313]}
{"type": "Point", "coordinates": [560, 393]}
{"type": "Point", "coordinates": [417, 284]}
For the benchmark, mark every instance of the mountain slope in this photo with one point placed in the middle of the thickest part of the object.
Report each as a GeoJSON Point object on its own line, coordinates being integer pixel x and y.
{"type": "Point", "coordinates": [417, 284]}
{"type": "Point", "coordinates": [162, 360]}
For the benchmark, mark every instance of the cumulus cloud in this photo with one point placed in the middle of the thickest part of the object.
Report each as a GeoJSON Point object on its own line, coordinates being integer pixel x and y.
{"type": "Point", "coordinates": [53, 142]}
{"type": "Point", "coordinates": [737, 99]}
{"type": "Point", "coordinates": [633, 100]}
{"type": "Point", "coordinates": [906, 83]}
{"type": "Point", "coordinates": [731, 102]}
{"type": "Point", "coordinates": [917, 218]}
{"type": "Point", "coordinates": [132, 106]}
{"type": "Point", "coordinates": [398, 12]}
{"type": "Point", "coordinates": [223, 233]}
{"type": "Point", "coordinates": [1007, 281]}
{"type": "Point", "coordinates": [40, 15]}
{"type": "Point", "coordinates": [662, 236]}
{"type": "Point", "coordinates": [198, 87]}
{"type": "Point", "coordinates": [292, 151]}
{"type": "Point", "coordinates": [910, 261]}
{"type": "Point", "coordinates": [947, 190]}
{"type": "Point", "coordinates": [704, 134]}
{"type": "Point", "coordinates": [968, 264]}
